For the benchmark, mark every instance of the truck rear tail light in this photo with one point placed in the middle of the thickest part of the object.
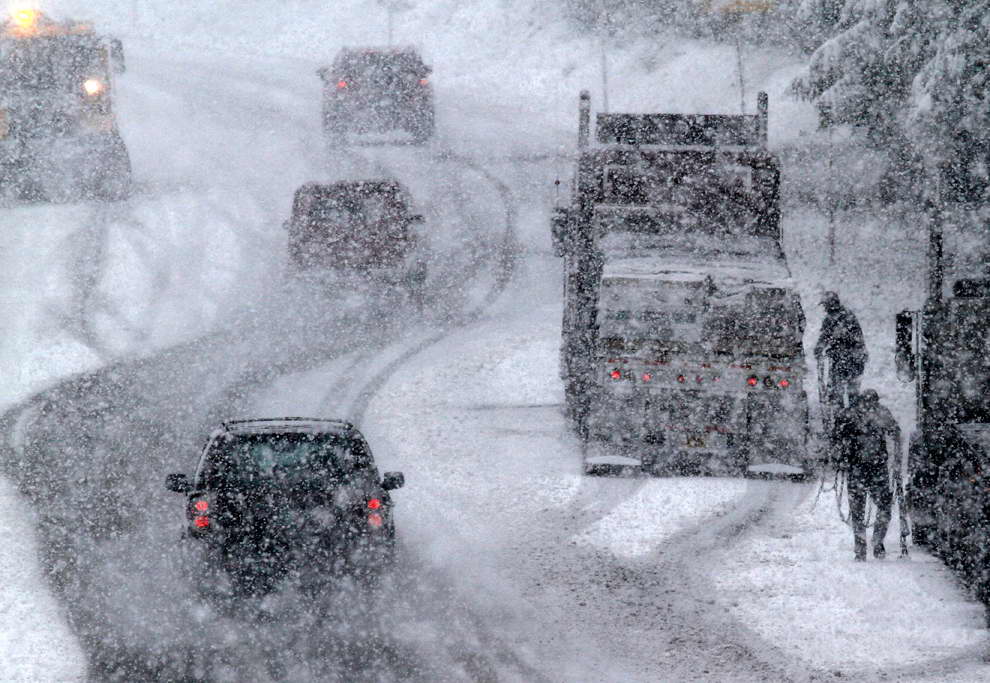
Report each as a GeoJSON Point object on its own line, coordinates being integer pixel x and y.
{"type": "Point", "coordinates": [201, 522]}
{"type": "Point", "coordinates": [201, 506]}
{"type": "Point", "coordinates": [752, 380]}
{"type": "Point", "coordinates": [784, 383]}
{"type": "Point", "coordinates": [615, 374]}
{"type": "Point", "coordinates": [374, 504]}
{"type": "Point", "coordinates": [375, 520]}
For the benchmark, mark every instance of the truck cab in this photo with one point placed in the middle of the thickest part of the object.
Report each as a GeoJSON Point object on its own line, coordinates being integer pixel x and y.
{"type": "Point", "coordinates": [58, 132]}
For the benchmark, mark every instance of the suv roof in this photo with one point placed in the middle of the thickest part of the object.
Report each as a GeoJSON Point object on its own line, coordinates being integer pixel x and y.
{"type": "Point", "coordinates": [301, 425]}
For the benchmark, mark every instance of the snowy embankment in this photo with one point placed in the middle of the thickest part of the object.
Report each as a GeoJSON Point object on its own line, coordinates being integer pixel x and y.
{"type": "Point", "coordinates": [795, 582]}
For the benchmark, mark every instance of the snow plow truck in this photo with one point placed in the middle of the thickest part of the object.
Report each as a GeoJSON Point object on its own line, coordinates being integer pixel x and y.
{"type": "Point", "coordinates": [682, 333]}
{"type": "Point", "coordinates": [58, 133]}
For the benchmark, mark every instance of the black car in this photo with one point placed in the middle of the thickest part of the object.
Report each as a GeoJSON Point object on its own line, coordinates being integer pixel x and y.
{"type": "Point", "coordinates": [376, 90]}
{"type": "Point", "coordinates": [293, 497]}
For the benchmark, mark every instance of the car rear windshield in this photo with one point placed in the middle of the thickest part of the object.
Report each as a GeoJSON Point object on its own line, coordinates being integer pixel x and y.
{"type": "Point", "coordinates": [384, 63]}
{"type": "Point", "coordinates": [244, 460]}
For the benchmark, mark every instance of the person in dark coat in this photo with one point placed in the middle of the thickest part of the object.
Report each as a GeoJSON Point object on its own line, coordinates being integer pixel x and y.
{"type": "Point", "coordinates": [860, 437]}
{"type": "Point", "coordinates": [841, 344]}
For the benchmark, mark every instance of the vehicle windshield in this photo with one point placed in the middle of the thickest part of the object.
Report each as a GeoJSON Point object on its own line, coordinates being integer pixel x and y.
{"type": "Point", "coordinates": [46, 64]}
{"type": "Point", "coordinates": [287, 460]}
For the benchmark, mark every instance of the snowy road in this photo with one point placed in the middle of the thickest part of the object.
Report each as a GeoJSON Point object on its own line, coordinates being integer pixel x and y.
{"type": "Point", "coordinates": [174, 308]}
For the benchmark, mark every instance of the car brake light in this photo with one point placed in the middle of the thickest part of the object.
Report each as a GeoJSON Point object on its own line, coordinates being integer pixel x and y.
{"type": "Point", "coordinates": [201, 506]}
{"type": "Point", "coordinates": [423, 81]}
{"type": "Point", "coordinates": [201, 522]}
{"type": "Point", "coordinates": [682, 379]}
{"type": "Point", "coordinates": [374, 504]}
{"type": "Point", "coordinates": [375, 520]}
{"type": "Point", "coordinates": [341, 85]}
{"type": "Point", "coordinates": [615, 374]}
{"type": "Point", "coordinates": [784, 384]}
{"type": "Point", "coordinates": [647, 377]}
{"type": "Point", "coordinates": [752, 380]}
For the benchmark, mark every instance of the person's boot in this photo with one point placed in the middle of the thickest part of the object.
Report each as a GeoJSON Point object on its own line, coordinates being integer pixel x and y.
{"type": "Point", "coordinates": [860, 550]}
{"type": "Point", "coordinates": [878, 551]}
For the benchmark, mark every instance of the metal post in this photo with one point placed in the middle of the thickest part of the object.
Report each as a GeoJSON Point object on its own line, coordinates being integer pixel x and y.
{"type": "Point", "coordinates": [742, 82]}
{"type": "Point", "coordinates": [763, 116]}
{"type": "Point", "coordinates": [935, 273]}
{"type": "Point", "coordinates": [830, 200]}
{"type": "Point", "coordinates": [584, 119]}
{"type": "Point", "coordinates": [601, 45]}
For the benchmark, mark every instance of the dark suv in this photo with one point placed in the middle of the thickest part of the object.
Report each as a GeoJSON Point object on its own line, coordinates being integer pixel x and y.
{"type": "Point", "coordinates": [362, 227]}
{"type": "Point", "coordinates": [290, 497]}
{"type": "Point", "coordinates": [376, 90]}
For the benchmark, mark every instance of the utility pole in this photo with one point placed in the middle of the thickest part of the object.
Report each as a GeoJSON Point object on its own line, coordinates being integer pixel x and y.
{"type": "Point", "coordinates": [391, 7]}
{"type": "Point", "coordinates": [602, 34]}
{"type": "Point", "coordinates": [738, 8]}
{"type": "Point", "coordinates": [739, 70]}
{"type": "Point", "coordinates": [825, 121]}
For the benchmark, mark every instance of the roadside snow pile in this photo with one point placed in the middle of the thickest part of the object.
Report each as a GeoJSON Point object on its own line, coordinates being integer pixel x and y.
{"type": "Point", "coordinates": [650, 516]}
{"type": "Point", "coordinates": [797, 586]}
{"type": "Point", "coordinates": [35, 643]}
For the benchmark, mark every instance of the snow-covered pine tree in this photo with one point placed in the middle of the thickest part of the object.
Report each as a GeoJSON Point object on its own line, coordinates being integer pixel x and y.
{"type": "Point", "coordinates": [910, 73]}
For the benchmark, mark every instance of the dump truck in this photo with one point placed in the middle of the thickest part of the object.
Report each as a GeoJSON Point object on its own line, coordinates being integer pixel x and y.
{"type": "Point", "coordinates": [944, 349]}
{"type": "Point", "coordinates": [58, 132]}
{"type": "Point", "coordinates": [681, 345]}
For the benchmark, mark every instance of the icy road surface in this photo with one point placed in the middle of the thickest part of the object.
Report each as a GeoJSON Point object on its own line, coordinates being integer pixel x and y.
{"type": "Point", "coordinates": [514, 567]}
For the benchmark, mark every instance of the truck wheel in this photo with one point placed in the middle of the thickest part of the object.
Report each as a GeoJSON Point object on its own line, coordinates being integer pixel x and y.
{"type": "Point", "coordinates": [423, 129]}
{"type": "Point", "coordinates": [115, 179]}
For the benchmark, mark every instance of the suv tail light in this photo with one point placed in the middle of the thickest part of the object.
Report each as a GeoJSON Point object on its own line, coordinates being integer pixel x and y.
{"type": "Point", "coordinates": [199, 511]}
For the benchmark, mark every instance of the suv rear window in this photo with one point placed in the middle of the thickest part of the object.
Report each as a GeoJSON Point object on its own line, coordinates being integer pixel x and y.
{"type": "Point", "coordinates": [371, 62]}
{"type": "Point", "coordinates": [243, 461]}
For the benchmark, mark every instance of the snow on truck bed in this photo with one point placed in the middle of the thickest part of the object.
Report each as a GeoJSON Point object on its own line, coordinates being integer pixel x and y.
{"type": "Point", "coordinates": [725, 272]}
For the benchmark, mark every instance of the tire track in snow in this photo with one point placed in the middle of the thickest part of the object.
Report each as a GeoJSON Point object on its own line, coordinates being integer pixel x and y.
{"type": "Point", "coordinates": [78, 445]}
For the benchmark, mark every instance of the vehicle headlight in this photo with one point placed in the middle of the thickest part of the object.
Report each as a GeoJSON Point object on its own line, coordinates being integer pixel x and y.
{"type": "Point", "coordinates": [93, 86]}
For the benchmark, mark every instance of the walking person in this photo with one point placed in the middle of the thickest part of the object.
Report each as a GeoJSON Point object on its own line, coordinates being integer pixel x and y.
{"type": "Point", "coordinates": [842, 349]}
{"type": "Point", "coordinates": [860, 438]}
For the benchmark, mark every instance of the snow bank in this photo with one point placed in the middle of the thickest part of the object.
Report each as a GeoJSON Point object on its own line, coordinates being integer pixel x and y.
{"type": "Point", "coordinates": [35, 642]}
{"type": "Point", "coordinates": [796, 584]}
